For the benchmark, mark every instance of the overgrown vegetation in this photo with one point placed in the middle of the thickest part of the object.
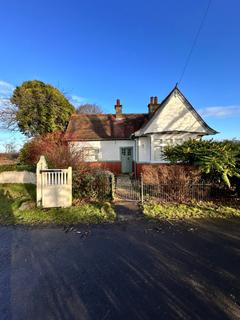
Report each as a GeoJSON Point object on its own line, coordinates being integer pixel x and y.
{"type": "Point", "coordinates": [18, 207]}
{"type": "Point", "coordinates": [91, 186]}
{"type": "Point", "coordinates": [88, 183]}
{"type": "Point", "coordinates": [170, 211]}
{"type": "Point", "coordinates": [218, 161]}
{"type": "Point", "coordinates": [56, 151]}
{"type": "Point", "coordinates": [170, 174]}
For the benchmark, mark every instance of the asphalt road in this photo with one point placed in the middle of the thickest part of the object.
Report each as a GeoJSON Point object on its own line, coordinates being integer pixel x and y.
{"type": "Point", "coordinates": [134, 270]}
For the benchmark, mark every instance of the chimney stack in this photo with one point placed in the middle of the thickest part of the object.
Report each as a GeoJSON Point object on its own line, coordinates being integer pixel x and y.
{"type": "Point", "coordinates": [118, 109]}
{"type": "Point", "coordinates": [153, 105]}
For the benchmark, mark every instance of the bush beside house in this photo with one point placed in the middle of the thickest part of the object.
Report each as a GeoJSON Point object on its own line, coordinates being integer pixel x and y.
{"type": "Point", "coordinates": [170, 174]}
{"type": "Point", "coordinates": [218, 161]}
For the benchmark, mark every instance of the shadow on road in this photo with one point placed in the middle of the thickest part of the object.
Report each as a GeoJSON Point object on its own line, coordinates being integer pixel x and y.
{"type": "Point", "coordinates": [137, 270]}
{"type": "Point", "coordinates": [6, 233]}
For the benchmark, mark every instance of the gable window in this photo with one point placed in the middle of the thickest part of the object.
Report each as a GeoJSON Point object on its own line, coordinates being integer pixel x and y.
{"type": "Point", "coordinates": [90, 154]}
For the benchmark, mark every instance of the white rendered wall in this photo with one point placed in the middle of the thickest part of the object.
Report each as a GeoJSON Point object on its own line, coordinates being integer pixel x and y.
{"type": "Point", "coordinates": [143, 149]}
{"type": "Point", "coordinates": [17, 177]}
{"type": "Point", "coordinates": [109, 150]}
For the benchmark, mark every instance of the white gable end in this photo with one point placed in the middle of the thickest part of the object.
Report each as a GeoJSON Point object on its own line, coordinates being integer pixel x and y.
{"type": "Point", "coordinates": [175, 115]}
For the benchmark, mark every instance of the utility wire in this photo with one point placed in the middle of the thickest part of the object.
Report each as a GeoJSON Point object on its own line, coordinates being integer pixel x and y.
{"type": "Point", "coordinates": [194, 42]}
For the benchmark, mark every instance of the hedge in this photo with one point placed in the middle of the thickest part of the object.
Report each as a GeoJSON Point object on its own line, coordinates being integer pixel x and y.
{"type": "Point", "coordinates": [17, 167]}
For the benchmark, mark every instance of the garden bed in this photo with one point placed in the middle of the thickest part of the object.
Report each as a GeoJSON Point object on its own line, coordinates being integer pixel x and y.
{"type": "Point", "coordinates": [190, 211]}
{"type": "Point", "coordinates": [17, 206]}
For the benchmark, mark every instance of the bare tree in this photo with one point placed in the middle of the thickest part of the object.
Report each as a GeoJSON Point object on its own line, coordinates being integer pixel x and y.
{"type": "Point", "coordinates": [10, 147]}
{"type": "Point", "coordinates": [89, 108]}
{"type": "Point", "coordinates": [8, 115]}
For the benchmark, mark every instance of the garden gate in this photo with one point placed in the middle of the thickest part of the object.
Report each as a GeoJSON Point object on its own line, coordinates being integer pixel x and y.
{"type": "Point", "coordinates": [54, 186]}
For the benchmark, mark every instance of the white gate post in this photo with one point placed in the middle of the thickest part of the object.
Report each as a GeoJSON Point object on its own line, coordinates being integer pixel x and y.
{"type": "Point", "coordinates": [41, 165]}
{"type": "Point", "coordinates": [70, 185]}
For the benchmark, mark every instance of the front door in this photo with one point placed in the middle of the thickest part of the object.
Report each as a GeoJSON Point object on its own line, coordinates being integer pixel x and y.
{"type": "Point", "coordinates": [126, 159]}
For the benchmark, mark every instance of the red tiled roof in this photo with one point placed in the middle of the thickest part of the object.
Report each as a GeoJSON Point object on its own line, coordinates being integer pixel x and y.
{"type": "Point", "coordinates": [103, 126]}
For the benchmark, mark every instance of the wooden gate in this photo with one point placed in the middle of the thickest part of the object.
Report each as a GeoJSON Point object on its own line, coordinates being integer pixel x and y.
{"type": "Point", "coordinates": [54, 186]}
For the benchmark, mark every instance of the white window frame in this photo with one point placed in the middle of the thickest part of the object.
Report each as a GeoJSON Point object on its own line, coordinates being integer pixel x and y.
{"type": "Point", "coordinates": [160, 143]}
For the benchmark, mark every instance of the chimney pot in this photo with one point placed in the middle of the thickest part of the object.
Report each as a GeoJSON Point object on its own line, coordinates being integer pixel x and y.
{"type": "Point", "coordinates": [118, 109]}
{"type": "Point", "coordinates": [153, 105]}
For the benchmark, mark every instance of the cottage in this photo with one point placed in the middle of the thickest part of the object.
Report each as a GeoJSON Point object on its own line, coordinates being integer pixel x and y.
{"type": "Point", "coordinates": [122, 142]}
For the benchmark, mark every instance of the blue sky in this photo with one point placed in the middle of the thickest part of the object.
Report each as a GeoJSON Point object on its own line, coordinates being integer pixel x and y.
{"type": "Point", "coordinates": [97, 51]}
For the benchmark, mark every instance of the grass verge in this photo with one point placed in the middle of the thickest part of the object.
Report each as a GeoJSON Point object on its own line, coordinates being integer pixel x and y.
{"type": "Point", "coordinates": [188, 211]}
{"type": "Point", "coordinates": [13, 198]}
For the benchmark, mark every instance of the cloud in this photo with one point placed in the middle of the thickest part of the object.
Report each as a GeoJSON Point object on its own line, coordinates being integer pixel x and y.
{"type": "Point", "coordinates": [220, 111]}
{"type": "Point", "coordinates": [77, 100]}
{"type": "Point", "coordinates": [6, 89]}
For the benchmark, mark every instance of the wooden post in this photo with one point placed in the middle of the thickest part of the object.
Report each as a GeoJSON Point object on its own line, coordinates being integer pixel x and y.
{"type": "Point", "coordinates": [112, 182]}
{"type": "Point", "coordinates": [41, 165]}
{"type": "Point", "coordinates": [70, 185]}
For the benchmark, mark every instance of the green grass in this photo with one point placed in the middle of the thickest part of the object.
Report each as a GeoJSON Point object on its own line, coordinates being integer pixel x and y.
{"type": "Point", "coordinates": [189, 211]}
{"type": "Point", "coordinates": [13, 195]}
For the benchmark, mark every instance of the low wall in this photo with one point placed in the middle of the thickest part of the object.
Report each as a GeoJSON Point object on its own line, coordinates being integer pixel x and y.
{"type": "Point", "coordinates": [17, 177]}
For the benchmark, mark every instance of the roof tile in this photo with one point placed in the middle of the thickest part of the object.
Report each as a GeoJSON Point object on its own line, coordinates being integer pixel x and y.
{"type": "Point", "coordinates": [103, 126]}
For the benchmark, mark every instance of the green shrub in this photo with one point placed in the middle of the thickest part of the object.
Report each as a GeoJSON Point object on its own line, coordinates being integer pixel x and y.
{"type": "Point", "coordinates": [91, 185]}
{"type": "Point", "coordinates": [17, 167]}
{"type": "Point", "coordinates": [217, 160]}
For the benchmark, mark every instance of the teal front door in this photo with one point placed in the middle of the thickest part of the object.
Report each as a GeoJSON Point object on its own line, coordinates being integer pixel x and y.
{"type": "Point", "coordinates": [126, 159]}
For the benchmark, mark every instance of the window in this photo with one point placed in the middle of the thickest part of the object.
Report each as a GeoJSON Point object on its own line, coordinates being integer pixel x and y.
{"type": "Point", "coordinates": [160, 144]}
{"type": "Point", "coordinates": [178, 141]}
{"type": "Point", "coordinates": [90, 154]}
{"type": "Point", "coordinates": [158, 153]}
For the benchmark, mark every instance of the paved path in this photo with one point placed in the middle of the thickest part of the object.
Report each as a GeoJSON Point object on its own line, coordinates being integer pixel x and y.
{"type": "Point", "coordinates": [134, 270]}
{"type": "Point", "coordinates": [127, 210]}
